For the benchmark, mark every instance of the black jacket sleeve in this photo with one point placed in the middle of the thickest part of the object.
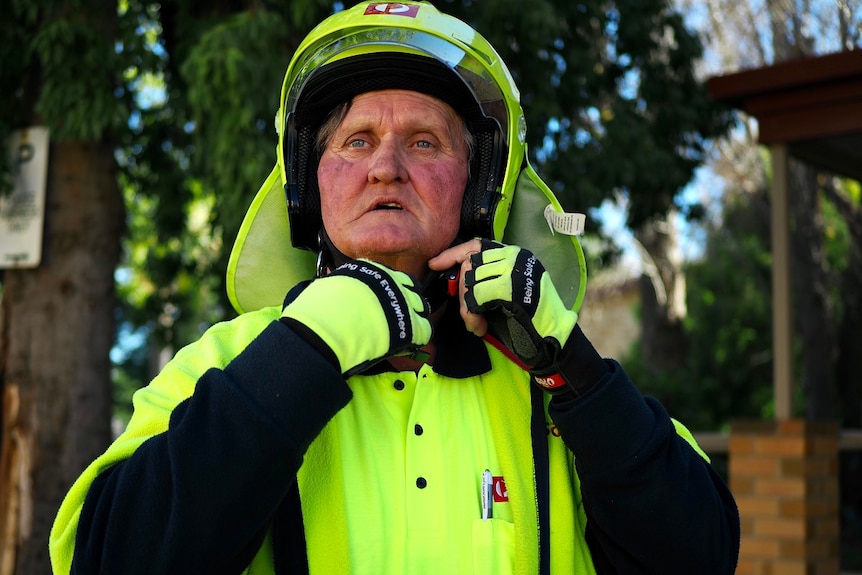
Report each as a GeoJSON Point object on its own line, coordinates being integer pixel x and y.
{"type": "Point", "coordinates": [653, 504]}
{"type": "Point", "coordinates": [199, 497]}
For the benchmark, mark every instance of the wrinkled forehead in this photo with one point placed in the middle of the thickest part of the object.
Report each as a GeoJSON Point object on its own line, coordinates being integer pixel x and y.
{"type": "Point", "coordinates": [404, 113]}
{"type": "Point", "coordinates": [405, 108]}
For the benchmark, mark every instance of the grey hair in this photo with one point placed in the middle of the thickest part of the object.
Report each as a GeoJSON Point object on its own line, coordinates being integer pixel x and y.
{"type": "Point", "coordinates": [329, 126]}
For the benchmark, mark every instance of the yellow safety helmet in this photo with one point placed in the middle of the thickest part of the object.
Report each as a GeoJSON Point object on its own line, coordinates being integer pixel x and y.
{"type": "Point", "coordinates": [412, 46]}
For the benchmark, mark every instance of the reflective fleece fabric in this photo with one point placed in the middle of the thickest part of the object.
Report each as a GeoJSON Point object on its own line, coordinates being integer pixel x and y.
{"type": "Point", "coordinates": [201, 498]}
{"type": "Point", "coordinates": [407, 456]}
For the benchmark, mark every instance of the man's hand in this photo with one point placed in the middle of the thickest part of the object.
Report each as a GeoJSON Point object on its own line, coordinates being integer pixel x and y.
{"type": "Point", "coordinates": [507, 294]}
{"type": "Point", "coordinates": [363, 312]}
{"type": "Point", "coordinates": [511, 288]}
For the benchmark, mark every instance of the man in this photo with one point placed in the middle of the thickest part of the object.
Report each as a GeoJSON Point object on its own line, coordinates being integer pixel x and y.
{"type": "Point", "coordinates": [426, 403]}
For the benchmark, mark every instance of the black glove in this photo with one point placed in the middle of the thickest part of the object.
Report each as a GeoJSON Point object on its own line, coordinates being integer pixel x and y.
{"type": "Point", "coordinates": [525, 314]}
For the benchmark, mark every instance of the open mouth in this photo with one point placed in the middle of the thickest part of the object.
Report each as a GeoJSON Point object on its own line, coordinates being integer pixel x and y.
{"type": "Point", "coordinates": [388, 206]}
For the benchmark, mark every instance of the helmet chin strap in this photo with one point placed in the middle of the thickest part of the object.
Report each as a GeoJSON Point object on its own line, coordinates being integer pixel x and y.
{"type": "Point", "coordinates": [329, 257]}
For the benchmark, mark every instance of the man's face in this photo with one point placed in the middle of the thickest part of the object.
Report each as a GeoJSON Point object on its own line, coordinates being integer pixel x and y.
{"type": "Point", "coordinates": [392, 178]}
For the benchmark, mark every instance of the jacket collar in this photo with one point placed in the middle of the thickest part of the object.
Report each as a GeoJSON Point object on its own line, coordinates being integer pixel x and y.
{"type": "Point", "coordinates": [460, 354]}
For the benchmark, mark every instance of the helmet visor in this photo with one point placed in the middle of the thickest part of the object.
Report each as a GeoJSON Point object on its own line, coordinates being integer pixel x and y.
{"type": "Point", "coordinates": [487, 97]}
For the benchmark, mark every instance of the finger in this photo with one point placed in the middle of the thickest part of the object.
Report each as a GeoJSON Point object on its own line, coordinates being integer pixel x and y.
{"type": "Point", "coordinates": [474, 322]}
{"type": "Point", "coordinates": [494, 269]}
{"type": "Point", "coordinates": [492, 292]}
{"type": "Point", "coordinates": [454, 255]}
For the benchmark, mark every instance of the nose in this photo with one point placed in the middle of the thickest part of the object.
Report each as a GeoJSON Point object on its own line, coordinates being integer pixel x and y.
{"type": "Point", "coordinates": [387, 163]}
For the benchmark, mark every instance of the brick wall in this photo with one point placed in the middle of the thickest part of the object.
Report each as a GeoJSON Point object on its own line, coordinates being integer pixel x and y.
{"type": "Point", "coordinates": [784, 476]}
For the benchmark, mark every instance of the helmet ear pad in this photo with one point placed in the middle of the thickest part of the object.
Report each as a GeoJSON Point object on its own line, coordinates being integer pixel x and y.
{"type": "Point", "coordinates": [301, 190]}
{"type": "Point", "coordinates": [486, 174]}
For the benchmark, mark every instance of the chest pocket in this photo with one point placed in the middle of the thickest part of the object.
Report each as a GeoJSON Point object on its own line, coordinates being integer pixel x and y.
{"type": "Point", "coordinates": [493, 547]}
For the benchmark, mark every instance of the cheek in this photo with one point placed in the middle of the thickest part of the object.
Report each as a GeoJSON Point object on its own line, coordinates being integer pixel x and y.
{"type": "Point", "coordinates": [330, 177]}
{"type": "Point", "coordinates": [448, 202]}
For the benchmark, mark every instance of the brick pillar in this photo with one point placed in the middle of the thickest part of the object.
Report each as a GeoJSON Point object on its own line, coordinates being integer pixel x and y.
{"type": "Point", "coordinates": [784, 475]}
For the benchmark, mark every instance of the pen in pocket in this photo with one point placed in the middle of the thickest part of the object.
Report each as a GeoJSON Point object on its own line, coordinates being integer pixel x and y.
{"type": "Point", "coordinates": [487, 495]}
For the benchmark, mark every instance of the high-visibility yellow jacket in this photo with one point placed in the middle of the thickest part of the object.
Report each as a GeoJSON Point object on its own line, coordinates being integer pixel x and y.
{"type": "Point", "coordinates": [250, 453]}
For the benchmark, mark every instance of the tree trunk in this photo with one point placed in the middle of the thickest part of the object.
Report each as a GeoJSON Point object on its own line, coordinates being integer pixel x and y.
{"type": "Point", "coordinates": [813, 299]}
{"type": "Point", "coordinates": [847, 373]}
{"type": "Point", "coordinates": [55, 380]}
{"type": "Point", "coordinates": [663, 341]}
{"type": "Point", "coordinates": [848, 364]}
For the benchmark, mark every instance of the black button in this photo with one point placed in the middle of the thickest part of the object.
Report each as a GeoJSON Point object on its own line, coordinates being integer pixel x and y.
{"type": "Point", "coordinates": [417, 429]}
{"type": "Point", "coordinates": [421, 483]}
{"type": "Point", "coordinates": [399, 385]}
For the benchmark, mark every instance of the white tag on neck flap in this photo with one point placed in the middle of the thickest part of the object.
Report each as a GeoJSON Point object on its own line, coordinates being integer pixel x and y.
{"type": "Point", "coordinates": [565, 223]}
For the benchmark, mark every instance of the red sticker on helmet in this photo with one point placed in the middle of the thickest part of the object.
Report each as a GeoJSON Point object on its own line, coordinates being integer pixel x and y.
{"type": "Point", "coordinates": [392, 8]}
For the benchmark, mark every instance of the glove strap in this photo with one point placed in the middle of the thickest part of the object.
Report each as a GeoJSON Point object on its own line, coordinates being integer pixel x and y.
{"type": "Point", "coordinates": [578, 358]}
{"type": "Point", "coordinates": [553, 382]}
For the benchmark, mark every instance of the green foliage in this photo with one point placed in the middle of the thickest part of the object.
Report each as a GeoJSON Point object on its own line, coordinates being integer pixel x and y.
{"type": "Point", "coordinates": [728, 372]}
{"type": "Point", "coordinates": [194, 157]}
{"type": "Point", "coordinates": [853, 189]}
{"type": "Point", "coordinates": [60, 69]}
{"type": "Point", "coordinates": [14, 60]}
{"type": "Point", "coordinates": [79, 98]}
{"type": "Point", "coordinates": [166, 283]}
{"type": "Point", "coordinates": [838, 237]}
{"type": "Point", "coordinates": [608, 90]}
{"type": "Point", "coordinates": [62, 66]}
{"type": "Point", "coordinates": [729, 324]}
{"type": "Point", "coordinates": [234, 80]}
{"type": "Point", "coordinates": [131, 369]}
{"type": "Point", "coordinates": [611, 99]}
{"type": "Point", "coordinates": [188, 92]}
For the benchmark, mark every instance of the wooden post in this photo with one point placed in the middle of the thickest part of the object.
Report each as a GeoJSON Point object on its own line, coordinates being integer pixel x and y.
{"type": "Point", "coordinates": [782, 310]}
